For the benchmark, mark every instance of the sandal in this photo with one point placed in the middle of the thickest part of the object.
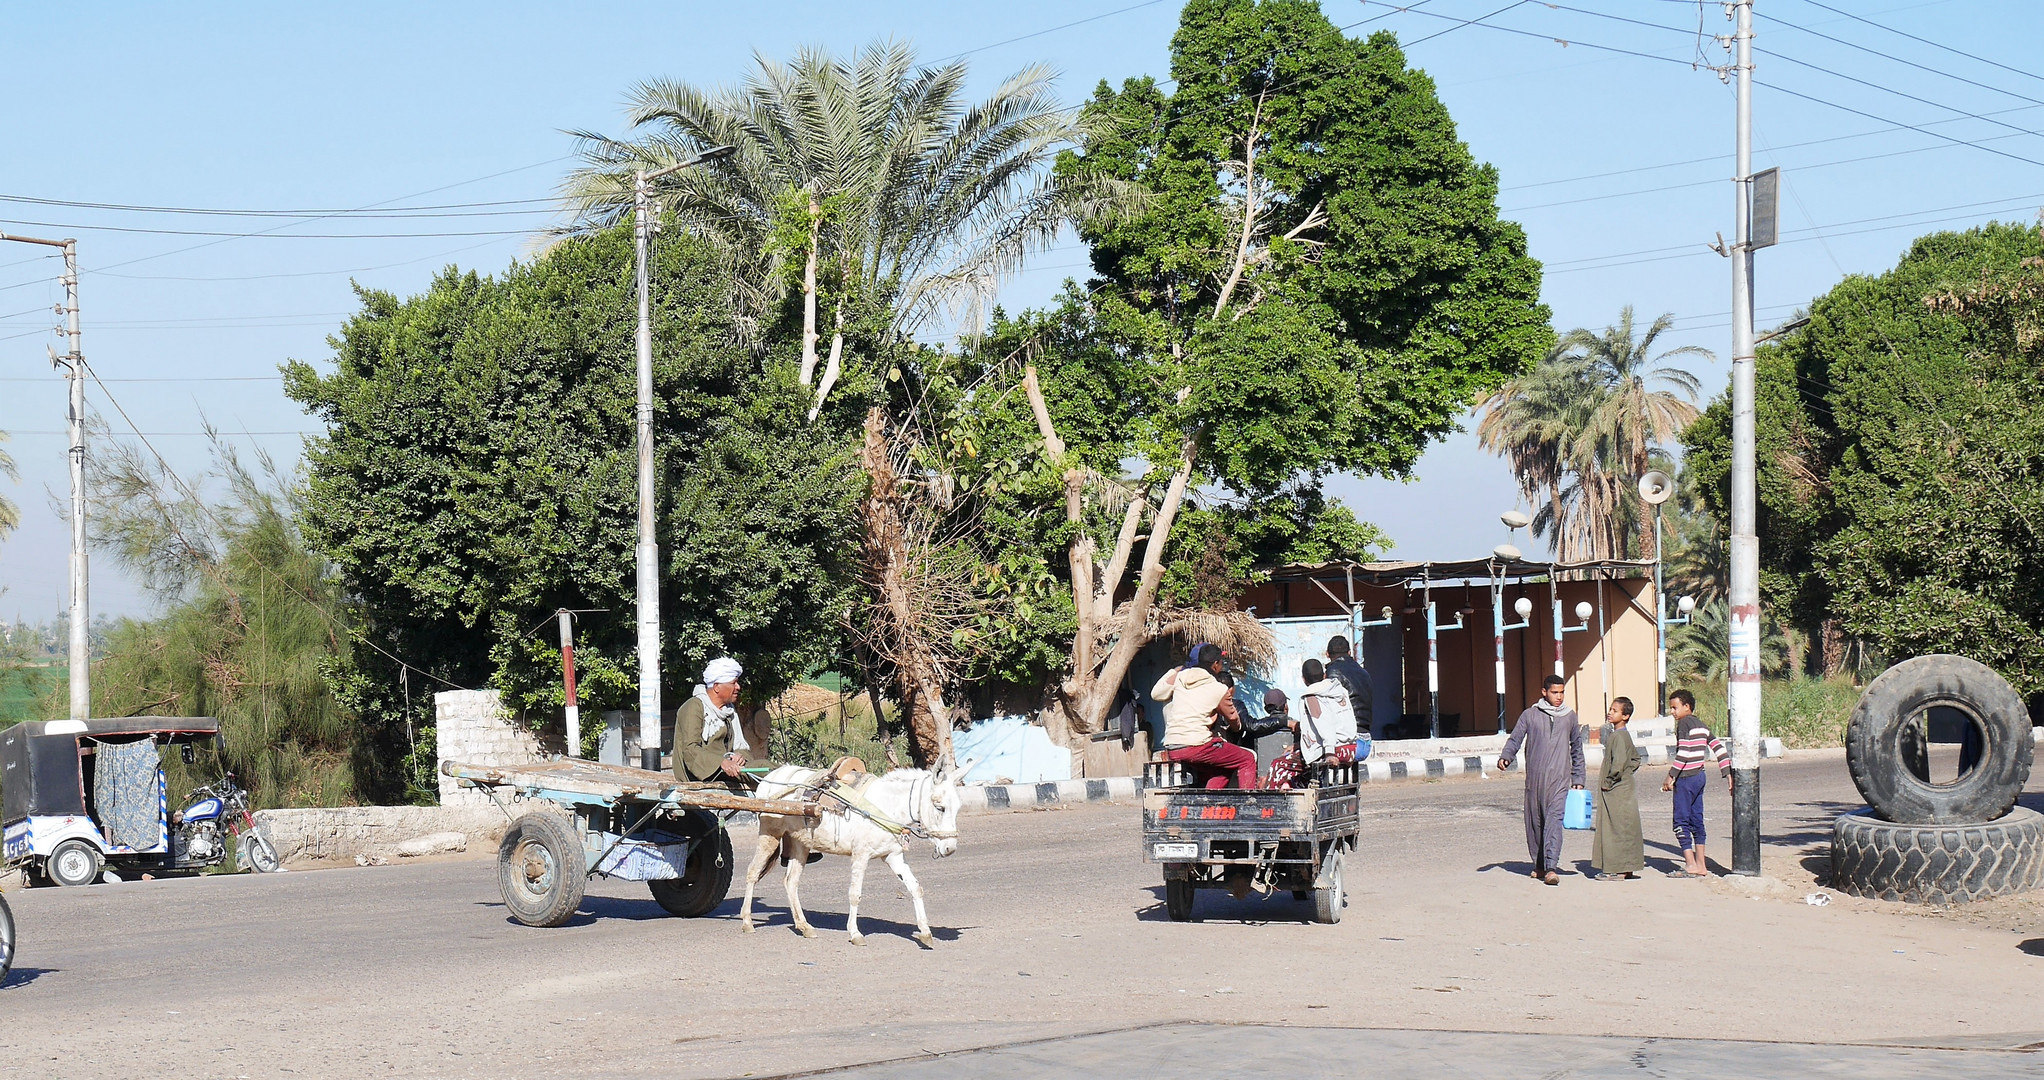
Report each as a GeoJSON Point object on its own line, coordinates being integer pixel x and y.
{"type": "Point", "coordinates": [1680, 874]}
{"type": "Point", "coordinates": [1552, 878]}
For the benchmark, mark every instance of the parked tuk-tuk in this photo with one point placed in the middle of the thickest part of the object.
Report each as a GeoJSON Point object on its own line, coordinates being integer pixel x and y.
{"type": "Point", "coordinates": [80, 796]}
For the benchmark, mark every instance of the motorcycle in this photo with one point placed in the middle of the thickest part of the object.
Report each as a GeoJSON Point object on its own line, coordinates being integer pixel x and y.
{"type": "Point", "coordinates": [218, 811]}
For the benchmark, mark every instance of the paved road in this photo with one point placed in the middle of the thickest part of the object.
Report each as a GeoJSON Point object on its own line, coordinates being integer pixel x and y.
{"type": "Point", "coordinates": [1052, 944]}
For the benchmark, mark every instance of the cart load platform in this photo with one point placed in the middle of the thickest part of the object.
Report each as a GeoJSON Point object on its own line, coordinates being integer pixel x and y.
{"type": "Point", "coordinates": [614, 821]}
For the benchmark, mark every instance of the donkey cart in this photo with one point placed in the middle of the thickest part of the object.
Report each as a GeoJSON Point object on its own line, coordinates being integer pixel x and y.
{"type": "Point", "coordinates": [1228, 838]}
{"type": "Point", "coordinates": [610, 821]}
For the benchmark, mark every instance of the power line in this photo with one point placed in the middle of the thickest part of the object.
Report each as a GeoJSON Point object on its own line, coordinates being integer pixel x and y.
{"type": "Point", "coordinates": [393, 212]}
{"type": "Point", "coordinates": [207, 510]}
{"type": "Point", "coordinates": [1962, 113]}
{"type": "Point", "coordinates": [1721, 157]}
{"type": "Point", "coordinates": [1898, 59]}
{"type": "Point", "coordinates": [1926, 41]}
{"type": "Point", "coordinates": [266, 234]}
{"type": "Point", "coordinates": [1040, 33]}
{"type": "Point", "coordinates": [1913, 127]}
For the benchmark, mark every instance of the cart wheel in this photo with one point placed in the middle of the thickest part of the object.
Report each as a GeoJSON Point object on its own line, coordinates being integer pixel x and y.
{"type": "Point", "coordinates": [705, 883]}
{"type": "Point", "coordinates": [541, 869]}
{"type": "Point", "coordinates": [74, 862]}
{"type": "Point", "coordinates": [1178, 894]}
{"type": "Point", "coordinates": [6, 941]}
{"type": "Point", "coordinates": [1327, 901]}
{"type": "Point", "coordinates": [257, 853]}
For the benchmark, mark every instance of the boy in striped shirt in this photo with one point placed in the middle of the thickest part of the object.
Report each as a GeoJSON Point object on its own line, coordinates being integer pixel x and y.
{"type": "Point", "coordinates": [1695, 747]}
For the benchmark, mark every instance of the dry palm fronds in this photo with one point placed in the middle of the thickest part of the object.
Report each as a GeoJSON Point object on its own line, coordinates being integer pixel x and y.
{"type": "Point", "coordinates": [1247, 642]}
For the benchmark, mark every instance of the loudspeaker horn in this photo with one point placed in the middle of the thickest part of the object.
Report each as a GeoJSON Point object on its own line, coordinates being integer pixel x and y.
{"type": "Point", "coordinates": [1656, 487]}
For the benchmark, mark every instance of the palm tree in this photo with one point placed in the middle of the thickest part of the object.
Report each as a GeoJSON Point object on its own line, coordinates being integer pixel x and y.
{"type": "Point", "coordinates": [1632, 417]}
{"type": "Point", "coordinates": [874, 178]}
{"type": "Point", "coordinates": [1532, 422]}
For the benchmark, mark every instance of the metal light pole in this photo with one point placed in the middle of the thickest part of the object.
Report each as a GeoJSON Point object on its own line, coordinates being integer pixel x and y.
{"type": "Point", "coordinates": [648, 550]}
{"type": "Point", "coordinates": [1744, 690]}
{"type": "Point", "coordinates": [1506, 554]}
{"type": "Point", "coordinates": [1434, 662]}
{"type": "Point", "coordinates": [73, 363]}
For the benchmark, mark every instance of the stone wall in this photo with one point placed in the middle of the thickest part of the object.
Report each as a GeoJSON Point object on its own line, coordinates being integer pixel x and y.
{"type": "Point", "coordinates": [476, 729]}
{"type": "Point", "coordinates": [373, 834]}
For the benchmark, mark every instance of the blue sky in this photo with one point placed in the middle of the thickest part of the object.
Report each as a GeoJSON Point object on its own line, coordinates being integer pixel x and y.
{"type": "Point", "coordinates": [1613, 152]}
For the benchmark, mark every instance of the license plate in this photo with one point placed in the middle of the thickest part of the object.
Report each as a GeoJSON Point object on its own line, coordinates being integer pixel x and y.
{"type": "Point", "coordinates": [1174, 851]}
{"type": "Point", "coordinates": [17, 843]}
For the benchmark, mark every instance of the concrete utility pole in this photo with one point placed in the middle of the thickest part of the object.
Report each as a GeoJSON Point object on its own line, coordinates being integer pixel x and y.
{"type": "Point", "coordinates": [73, 363]}
{"type": "Point", "coordinates": [574, 708]}
{"type": "Point", "coordinates": [1744, 691]}
{"type": "Point", "coordinates": [648, 551]}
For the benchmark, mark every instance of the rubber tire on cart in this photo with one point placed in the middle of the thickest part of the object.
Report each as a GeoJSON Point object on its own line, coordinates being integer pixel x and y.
{"type": "Point", "coordinates": [703, 884]}
{"type": "Point", "coordinates": [73, 862]}
{"type": "Point", "coordinates": [1327, 895]}
{"type": "Point", "coordinates": [1937, 864]}
{"type": "Point", "coordinates": [1881, 742]}
{"type": "Point", "coordinates": [1178, 894]}
{"type": "Point", "coordinates": [541, 869]}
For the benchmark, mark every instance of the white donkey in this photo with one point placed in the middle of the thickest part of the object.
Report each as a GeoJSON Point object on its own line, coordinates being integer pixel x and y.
{"type": "Point", "coordinates": [876, 817]}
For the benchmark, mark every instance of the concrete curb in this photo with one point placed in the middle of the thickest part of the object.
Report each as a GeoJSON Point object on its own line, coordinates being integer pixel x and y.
{"type": "Point", "coordinates": [1002, 798]}
{"type": "Point", "coordinates": [1007, 798]}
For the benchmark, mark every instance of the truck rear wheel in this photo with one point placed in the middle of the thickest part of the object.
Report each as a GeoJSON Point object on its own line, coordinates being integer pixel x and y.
{"type": "Point", "coordinates": [1178, 893]}
{"type": "Point", "coordinates": [541, 870]}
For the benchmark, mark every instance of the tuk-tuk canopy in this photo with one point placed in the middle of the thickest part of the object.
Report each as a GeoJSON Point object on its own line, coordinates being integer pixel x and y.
{"type": "Point", "coordinates": [40, 772]}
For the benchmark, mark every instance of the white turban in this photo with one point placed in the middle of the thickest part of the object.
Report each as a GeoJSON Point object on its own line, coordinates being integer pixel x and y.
{"type": "Point", "coordinates": [722, 669]}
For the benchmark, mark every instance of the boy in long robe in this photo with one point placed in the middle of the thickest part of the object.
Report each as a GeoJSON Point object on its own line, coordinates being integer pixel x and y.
{"type": "Point", "coordinates": [1553, 743]}
{"type": "Point", "coordinates": [1620, 849]}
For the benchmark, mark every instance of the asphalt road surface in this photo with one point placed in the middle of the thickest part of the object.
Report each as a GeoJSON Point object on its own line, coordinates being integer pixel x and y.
{"type": "Point", "coordinates": [1054, 958]}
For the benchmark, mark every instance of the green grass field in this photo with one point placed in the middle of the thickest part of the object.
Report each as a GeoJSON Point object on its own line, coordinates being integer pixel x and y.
{"type": "Point", "coordinates": [21, 687]}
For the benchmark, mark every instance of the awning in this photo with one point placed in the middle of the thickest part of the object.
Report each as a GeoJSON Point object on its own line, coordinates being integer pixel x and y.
{"type": "Point", "coordinates": [1485, 569]}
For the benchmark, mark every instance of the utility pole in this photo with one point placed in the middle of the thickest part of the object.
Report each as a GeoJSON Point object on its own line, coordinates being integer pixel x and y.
{"type": "Point", "coordinates": [1744, 690]}
{"type": "Point", "coordinates": [648, 551]}
{"type": "Point", "coordinates": [574, 708]}
{"type": "Point", "coordinates": [73, 363]}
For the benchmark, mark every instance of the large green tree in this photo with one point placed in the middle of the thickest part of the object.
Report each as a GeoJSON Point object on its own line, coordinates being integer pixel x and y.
{"type": "Point", "coordinates": [1901, 457]}
{"type": "Point", "coordinates": [478, 472]}
{"type": "Point", "coordinates": [1320, 282]}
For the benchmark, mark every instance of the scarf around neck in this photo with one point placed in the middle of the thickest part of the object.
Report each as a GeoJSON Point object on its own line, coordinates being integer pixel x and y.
{"type": "Point", "coordinates": [716, 717]}
{"type": "Point", "coordinates": [1552, 710]}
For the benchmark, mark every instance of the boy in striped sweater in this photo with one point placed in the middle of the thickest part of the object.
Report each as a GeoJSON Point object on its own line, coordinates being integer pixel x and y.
{"type": "Point", "coordinates": [1695, 747]}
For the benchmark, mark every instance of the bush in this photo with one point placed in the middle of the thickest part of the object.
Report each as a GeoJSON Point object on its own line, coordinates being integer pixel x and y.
{"type": "Point", "coordinates": [1803, 713]}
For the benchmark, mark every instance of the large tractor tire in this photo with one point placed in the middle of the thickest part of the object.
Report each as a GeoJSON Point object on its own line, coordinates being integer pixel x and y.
{"type": "Point", "coordinates": [1885, 742]}
{"type": "Point", "coordinates": [1937, 864]}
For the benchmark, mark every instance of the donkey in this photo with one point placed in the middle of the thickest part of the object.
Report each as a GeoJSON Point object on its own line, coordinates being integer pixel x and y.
{"type": "Point", "coordinates": [875, 817]}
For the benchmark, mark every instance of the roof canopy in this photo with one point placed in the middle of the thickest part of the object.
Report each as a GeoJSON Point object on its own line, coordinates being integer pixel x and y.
{"type": "Point", "coordinates": [130, 725]}
{"type": "Point", "coordinates": [1408, 572]}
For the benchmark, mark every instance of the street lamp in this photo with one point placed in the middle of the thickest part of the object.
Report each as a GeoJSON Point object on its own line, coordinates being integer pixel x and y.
{"type": "Point", "coordinates": [1656, 488]}
{"type": "Point", "coordinates": [1503, 556]}
{"type": "Point", "coordinates": [648, 551]}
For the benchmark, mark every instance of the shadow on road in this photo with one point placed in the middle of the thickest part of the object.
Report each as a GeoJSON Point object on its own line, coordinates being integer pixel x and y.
{"type": "Point", "coordinates": [2034, 946]}
{"type": "Point", "coordinates": [22, 976]}
{"type": "Point", "coordinates": [1215, 905]}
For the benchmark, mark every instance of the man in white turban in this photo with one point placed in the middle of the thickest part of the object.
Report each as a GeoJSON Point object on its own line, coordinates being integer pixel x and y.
{"type": "Point", "coordinates": [709, 745]}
